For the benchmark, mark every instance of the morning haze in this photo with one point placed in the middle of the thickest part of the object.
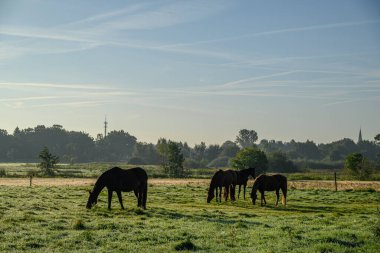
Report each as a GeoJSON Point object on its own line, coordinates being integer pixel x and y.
{"type": "Point", "coordinates": [193, 71]}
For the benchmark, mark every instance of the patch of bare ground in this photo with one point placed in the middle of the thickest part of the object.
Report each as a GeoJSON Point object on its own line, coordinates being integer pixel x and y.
{"type": "Point", "coordinates": [297, 184]}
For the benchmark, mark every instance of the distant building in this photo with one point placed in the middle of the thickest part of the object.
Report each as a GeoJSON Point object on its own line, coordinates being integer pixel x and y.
{"type": "Point", "coordinates": [360, 139]}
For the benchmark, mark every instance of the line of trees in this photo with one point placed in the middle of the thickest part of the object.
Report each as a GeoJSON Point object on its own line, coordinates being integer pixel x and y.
{"type": "Point", "coordinates": [24, 145]}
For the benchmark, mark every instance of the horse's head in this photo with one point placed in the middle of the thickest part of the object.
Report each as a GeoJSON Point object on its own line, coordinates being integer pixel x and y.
{"type": "Point", "coordinates": [92, 200]}
{"type": "Point", "coordinates": [253, 197]}
{"type": "Point", "coordinates": [252, 172]}
{"type": "Point", "coordinates": [210, 196]}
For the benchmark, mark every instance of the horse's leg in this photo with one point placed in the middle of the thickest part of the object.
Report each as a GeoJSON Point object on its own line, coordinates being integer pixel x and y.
{"type": "Point", "coordinates": [227, 192]}
{"type": "Point", "coordinates": [120, 199]}
{"type": "Point", "coordinates": [145, 192]}
{"type": "Point", "coordinates": [136, 193]}
{"type": "Point", "coordinates": [141, 195]}
{"type": "Point", "coordinates": [245, 185]}
{"type": "Point", "coordinates": [239, 192]}
{"type": "Point", "coordinates": [232, 192]}
{"type": "Point", "coordinates": [277, 196]}
{"type": "Point", "coordinates": [109, 198]}
{"type": "Point", "coordinates": [284, 190]}
{"type": "Point", "coordinates": [216, 191]}
{"type": "Point", "coordinates": [220, 193]}
{"type": "Point", "coordinates": [262, 198]}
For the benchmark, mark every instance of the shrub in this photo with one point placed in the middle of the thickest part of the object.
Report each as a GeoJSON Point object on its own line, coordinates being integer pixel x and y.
{"type": "Point", "coordinates": [357, 166]}
{"type": "Point", "coordinates": [79, 225]}
{"type": "Point", "coordinates": [186, 245]}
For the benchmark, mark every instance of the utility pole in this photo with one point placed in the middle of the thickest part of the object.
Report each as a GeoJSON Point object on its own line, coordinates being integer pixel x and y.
{"type": "Point", "coordinates": [105, 126]}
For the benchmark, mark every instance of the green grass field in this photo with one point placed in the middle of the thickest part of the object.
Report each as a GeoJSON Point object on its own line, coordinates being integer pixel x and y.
{"type": "Point", "coordinates": [54, 219]}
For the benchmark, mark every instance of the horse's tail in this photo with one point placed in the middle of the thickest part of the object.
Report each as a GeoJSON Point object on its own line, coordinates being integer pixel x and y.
{"type": "Point", "coordinates": [284, 191]}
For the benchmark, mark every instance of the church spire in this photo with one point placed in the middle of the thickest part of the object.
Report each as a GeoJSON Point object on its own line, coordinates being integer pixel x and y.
{"type": "Point", "coordinates": [360, 139]}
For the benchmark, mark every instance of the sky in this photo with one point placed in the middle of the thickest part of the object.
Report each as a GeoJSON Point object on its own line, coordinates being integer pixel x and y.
{"type": "Point", "coordinates": [193, 70]}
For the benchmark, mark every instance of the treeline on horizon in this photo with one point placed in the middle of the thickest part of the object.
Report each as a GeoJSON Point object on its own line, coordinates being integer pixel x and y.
{"type": "Point", "coordinates": [24, 145]}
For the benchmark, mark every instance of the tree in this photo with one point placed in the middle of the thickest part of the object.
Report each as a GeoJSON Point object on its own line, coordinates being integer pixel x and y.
{"type": "Point", "coordinates": [246, 138]}
{"type": "Point", "coordinates": [199, 151]}
{"type": "Point", "coordinates": [229, 149]}
{"type": "Point", "coordinates": [145, 152]}
{"type": "Point", "coordinates": [359, 167]}
{"type": "Point", "coordinates": [48, 161]}
{"type": "Point", "coordinates": [117, 146]}
{"type": "Point", "coordinates": [212, 152]}
{"type": "Point", "coordinates": [250, 157]}
{"type": "Point", "coordinates": [377, 139]}
{"type": "Point", "coordinates": [278, 162]}
{"type": "Point", "coordinates": [174, 166]}
{"type": "Point", "coordinates": [163, 151]}
{"type": "Point", "coordinates": [171, 157]}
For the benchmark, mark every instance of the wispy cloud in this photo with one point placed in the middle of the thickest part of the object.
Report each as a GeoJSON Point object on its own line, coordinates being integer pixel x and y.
{"type": "Point", "coordinates": [56, 86]}
{"type": "Point", "coordinates": [280, 31]}
{"type": "Point", "coordinates": [256, 78]}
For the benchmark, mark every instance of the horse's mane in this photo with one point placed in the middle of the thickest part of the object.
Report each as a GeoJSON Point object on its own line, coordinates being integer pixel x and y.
{"type": "Point", "coordinates": [99, 185]}
{"type": "Point", "coordinates": [247, 172]}
{"type": "Point", "coordinates": [214, 180]}
{"type": "Point", "coordinates": [258, 181]}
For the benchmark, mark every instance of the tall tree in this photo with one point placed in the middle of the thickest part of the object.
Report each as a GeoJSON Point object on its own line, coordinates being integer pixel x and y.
{"type": "Point", "coordinates": [175, 160]}
{"type": "Point", "coordinates": [246, 138]}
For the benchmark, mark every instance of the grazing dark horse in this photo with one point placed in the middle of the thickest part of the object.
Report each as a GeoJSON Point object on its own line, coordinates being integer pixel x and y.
{"type": "Point", "coordinates": [242, 178]}
{"type": "Point", "coordinates": [226, 179]}
{"type": "Point", "coordinates": [269, 183]}
{"type": "Point", "coordinates": [120, 180]}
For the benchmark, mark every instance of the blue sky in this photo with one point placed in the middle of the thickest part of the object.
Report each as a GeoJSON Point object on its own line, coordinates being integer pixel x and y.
{"type": "Point", "coordinates": [193, 70]}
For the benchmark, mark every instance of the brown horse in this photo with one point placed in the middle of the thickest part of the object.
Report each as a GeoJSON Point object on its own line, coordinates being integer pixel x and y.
{"type": "Point", "coordinates": [120, 180]}
{"type": "Point", "coordinates": [269, 183]}
{"type": "Point", "coordinates": [226, 179]}
{"type": "Point", "coordinates": [242, 178]}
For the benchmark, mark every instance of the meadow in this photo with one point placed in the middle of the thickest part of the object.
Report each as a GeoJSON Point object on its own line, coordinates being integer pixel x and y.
{"type": "Point", "coordinates": [93, 170]}
{"type": "Point", "coordinates": [54, 219]}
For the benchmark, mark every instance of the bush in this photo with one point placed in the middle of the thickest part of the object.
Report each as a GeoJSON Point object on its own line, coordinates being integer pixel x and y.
{"type": "Point", "coordinates": [186, 245]}
{"type": "Point", "coordinates": [358, 166]}
{"type": "Point", "coordinates": [2, 173]}
{"type": "Point", "coordinates": [136, 161]}
{"type": "Point", "coordinates": [192, 163]}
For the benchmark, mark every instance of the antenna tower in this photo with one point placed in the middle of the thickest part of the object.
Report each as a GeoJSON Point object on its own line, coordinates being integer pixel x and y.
{"type": "Point", "coordinates": [105, 126]}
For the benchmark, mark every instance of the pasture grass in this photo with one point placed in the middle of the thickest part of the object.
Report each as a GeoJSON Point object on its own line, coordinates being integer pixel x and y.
{"type": "Point", "coordinates": [177, 219]}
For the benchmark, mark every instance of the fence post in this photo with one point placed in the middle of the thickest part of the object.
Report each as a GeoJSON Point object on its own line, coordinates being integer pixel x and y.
{"type": "Point", "coordinates": [336, 185]}
{"type": "Point", "coordinates": [30, 180]}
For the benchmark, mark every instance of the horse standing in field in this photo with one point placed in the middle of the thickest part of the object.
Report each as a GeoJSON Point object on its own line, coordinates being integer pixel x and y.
{"type": "Point", "coordinates": [242, 178]}
{"type": "Point", "coordinates": [119, 180]}
{"type": "Point", "coordinates": [226, 179]}
{"type": "Point", "coordinates": [269, 183]}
